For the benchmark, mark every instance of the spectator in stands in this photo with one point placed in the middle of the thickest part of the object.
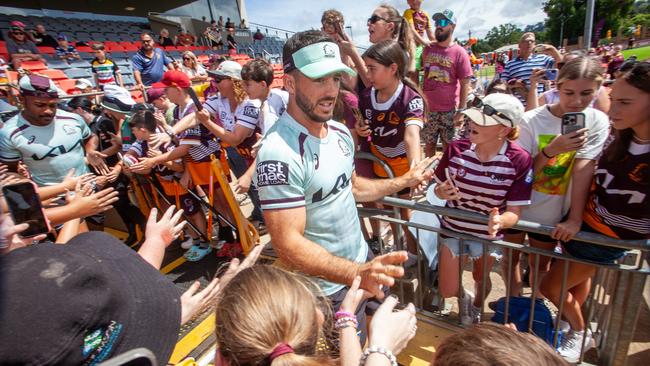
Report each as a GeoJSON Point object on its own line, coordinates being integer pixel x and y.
{"type": "Point", "coordinates": [258, 36]}
{"type": "Point", "coordinates": [229, 24]}
{"type": "Point", "coordinates": [447, 73]}
{"type": "Point", "coordinates": [242, 24]}
{"type": "Point", "coordinates": [305, 176]}
{"type": "Point", "coordinates": [563, 164]}
{"type": "Point", "coordinates": [157, 97]}
{"type": "Point", "coordinates": [616, 59]}
{"type": "Point", "coordinates": [19, 47]}
{"type": "Point", "coordinates": [150, 63]}
{"type": "Point", "coordinates": [394, 111]}
{"type": "Point", "coordinates": [531, 56]}
{"type": "Point", "coordinates": [193, 68]}
{"type": "Point", "coordinates": [42, 39]}
{"type": "Point", "coordinates": [267, 315]}
{"type": "Point", "coordinates": [497, 86]}
{"type": "Point", "coordinates": [163, 39]}
{"type": "Point", "coordinates": [66, 51]}
{"type": "Point", "coordinates": [213, 32]}
{"type": "Point", "coordinates": [94, 298]}
{"type": "Point", "coordinates": [220, 22]}
{"type": "Point", "coordinates": [488, 344]}
{"type": "Point", "coordinates": [232, 44]}
{"type": "Point", "coordinates": [49, 141]}
{"type": "Point", "coordinates": [618, 205]}
{"type": "Point", "coordinates": [184, 38]}
{"type": "Point", "coordinates": [487, 173]}
{"type": "Point", "coordinates": [104, 69]}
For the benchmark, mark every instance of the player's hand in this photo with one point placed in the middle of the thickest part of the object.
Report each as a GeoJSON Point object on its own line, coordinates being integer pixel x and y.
{"type": "Point", "coordinates": [382, 271]}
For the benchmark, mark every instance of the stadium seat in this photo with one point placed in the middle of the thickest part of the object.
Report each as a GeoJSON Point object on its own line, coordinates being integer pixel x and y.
{"type": "Point", "coordinates": [67, 85]}
{"type": "Point", "coordinates": [84, 49]}
{"type": "Point", "coordinates": [57, 64]}
{"type": "Point", "coordinates": [78, 73]}
{"type": "Point", "coordinates": [46, 50]}
{"type": "Point", "coordinates": [33, 65]}
{"type": "Point", "coordinates": [80, 64]}
{"type": "Point", "coordinates": [128, 80]}
{"type": "Point", "coordinates": [53, 74]}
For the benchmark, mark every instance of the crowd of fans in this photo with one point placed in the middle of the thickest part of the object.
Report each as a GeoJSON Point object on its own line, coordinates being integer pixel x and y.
{"type": "Point", "coordinates": [505, 155]}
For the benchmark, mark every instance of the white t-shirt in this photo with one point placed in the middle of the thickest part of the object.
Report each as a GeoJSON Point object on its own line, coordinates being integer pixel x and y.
{"type": "Point", "coordinates": [273, 108]}
{"type": "Point", "coordinates": [247, 112]}
{"type": "Point", "coordinates": [551, 198]}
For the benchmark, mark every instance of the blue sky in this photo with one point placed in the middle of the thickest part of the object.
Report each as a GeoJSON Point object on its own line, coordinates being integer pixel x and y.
{"type": "Point", "coordinates": [478, 15]}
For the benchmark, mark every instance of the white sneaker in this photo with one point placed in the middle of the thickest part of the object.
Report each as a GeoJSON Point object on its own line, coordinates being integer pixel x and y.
{"type": "Point", "coordinates": [465, 305]}
{"type": "Point", "coordinates": [572, 343]}
{"type": "Point", "coordinates": [187, 244]}
{"type": "Point", "coordinates": [476, 314]}
{"type": "Point", "coordinates": [565, 327]}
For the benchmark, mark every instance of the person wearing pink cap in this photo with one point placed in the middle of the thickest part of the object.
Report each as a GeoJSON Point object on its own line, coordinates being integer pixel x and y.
{"type": "Point", "coordinates": [19, 45]}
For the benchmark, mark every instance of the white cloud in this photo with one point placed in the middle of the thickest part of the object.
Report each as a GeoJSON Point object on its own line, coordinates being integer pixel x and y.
{"type": "Point", "coordinates": [479, 16]}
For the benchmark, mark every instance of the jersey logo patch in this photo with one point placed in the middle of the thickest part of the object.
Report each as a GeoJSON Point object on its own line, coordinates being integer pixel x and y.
{"type": "Point", "coordinates": [368, 113]}
{"type": "Point", "coordinates": [272, 173]}
{"type": "Point", "coordinates": [31, 140]}
{"type": "Point", "coordinates": [529, 177]}
{"type": "Point", "coordinates": [344, 148]}
{"type": "Point", "coordinates": [328, 51]}
{"type": "Point", "coordinates": [251, 111]}
{"type": "Point", "coordinates": [416, 105]}
{"type": "Point", "coordinates": [69, 130]}
{"type": "Point", "coordinates": [393, 118]}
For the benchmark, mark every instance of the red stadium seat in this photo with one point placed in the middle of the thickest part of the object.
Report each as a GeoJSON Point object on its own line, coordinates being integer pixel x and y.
{"type": "Point", "coordinates": [46, 50]}
{"type": "Point", "coordinates": [33, 65]}
{"type": "Point", "coordinates": [12, 75]}
{"type": "Point", "coordinates": [68, 86]}
{"type": "Point", "coordinates": [54, 74]}
{"type": "Point", "coordinates": [137, 96]}
{"type": "Point", "coordinates": [131, 48]}
{"type": "Point", "coordinates": [116, 47]}
{"type": "Point", "coordinates": [3, 49]}
{"type": "Point", "coordinates": [84, 49]}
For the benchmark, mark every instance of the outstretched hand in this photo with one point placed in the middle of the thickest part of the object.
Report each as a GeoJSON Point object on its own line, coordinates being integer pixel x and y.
{"type": "Point", "coordinates": [167, 228]}
{"type": "Point", "coordinates": [420, 174]}
{"type": "Point", "coordinates": [9, 235]}
{"type": "Point", "coordinates": [393, 329]}
{"type": "Point", "coordinates": [382, 271]}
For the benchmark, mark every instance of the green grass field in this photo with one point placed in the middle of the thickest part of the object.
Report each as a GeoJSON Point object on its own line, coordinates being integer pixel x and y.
{"type": "Point", "coordinates": [642, 53]}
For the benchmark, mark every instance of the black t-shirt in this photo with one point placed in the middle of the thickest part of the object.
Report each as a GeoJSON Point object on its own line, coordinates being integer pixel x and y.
{"type": "Point", "coordinates": [166, 41]}
{"type": "Point", "coordinates": [46, 40]}
{"type": "Point", "coordinates": [101, 126]}
{"type": "Point", "coordinates": [231, 42]}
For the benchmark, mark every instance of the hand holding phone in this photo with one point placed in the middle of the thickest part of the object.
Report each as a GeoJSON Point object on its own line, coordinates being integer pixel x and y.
{"type": "Point", "coordinates": [572, 122]}
{"type": "Point", "coordinates": [25, 207]}
{"type": "Point", "coordinates": [551, 74]}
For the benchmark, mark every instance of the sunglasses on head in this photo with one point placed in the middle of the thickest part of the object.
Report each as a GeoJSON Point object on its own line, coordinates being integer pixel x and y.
{"type": "Point", "coordinates": [489, 110]}
{"type": "Point", "coordinates": [375, 18]}
{"type": "Point", "coordinates": [442, 22]}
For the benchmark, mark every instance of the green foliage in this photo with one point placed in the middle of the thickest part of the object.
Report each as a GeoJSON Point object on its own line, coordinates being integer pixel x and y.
{"type": "Point", "coordinates": [502, 35]}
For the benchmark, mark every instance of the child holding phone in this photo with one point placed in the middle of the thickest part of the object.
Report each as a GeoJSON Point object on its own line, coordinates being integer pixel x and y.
{"type": "Point", "coordinates": [563, 164]}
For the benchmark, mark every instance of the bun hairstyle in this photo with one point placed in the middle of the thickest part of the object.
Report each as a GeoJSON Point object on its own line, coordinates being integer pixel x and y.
{"type": "Point", "coordinates": [268, 316]}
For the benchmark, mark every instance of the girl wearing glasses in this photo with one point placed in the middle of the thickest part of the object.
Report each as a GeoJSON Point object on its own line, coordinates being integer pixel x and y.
{"type": "Point", "coordinates": [192, 68]}
{"type": "Point", "coordinates": [393, 112]}
{"type": "Point", "coordinates": [563, 163]}
{"type": "Point", "coordinates": [618, 205]}
{"type": "Point", "coordinates": [487, 173]}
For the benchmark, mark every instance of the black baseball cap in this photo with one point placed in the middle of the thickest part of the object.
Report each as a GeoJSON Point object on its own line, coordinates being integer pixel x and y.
{"type": "Point", "coordinates": [83, 303]}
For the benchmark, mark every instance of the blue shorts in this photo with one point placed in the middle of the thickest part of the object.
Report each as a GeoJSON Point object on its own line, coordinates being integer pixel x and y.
{"type": "Point", "coordinates": [473, 249]}
{"type": "Point", "coordinates": [592, 252]}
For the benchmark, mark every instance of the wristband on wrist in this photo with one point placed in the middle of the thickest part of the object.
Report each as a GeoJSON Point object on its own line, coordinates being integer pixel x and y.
{"type": "Point", "coordinates": [381, 351]}
{"type": "Point", "coordinates": [345, 322]}
{"type": "Point", "coordinates": [343, 314]}
{"type": "Point", "coordinates": [545, 154]}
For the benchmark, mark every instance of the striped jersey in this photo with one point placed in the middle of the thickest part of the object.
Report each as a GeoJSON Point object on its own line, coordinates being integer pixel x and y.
{"type": "Point", "coordinates": [105, 71]}
{"type": "Point", "coordinates": [201, 141]}
{"type": "Point", "coordinates": [49, 152]}
{"type": "Point", "coordinates": [619, 203]}
{"type": "Point", "coordinates": [295, 169]}
{"type": "Point", "coordinates": [140, 148]}
{"type": "Point", "coordinates": [388, 120]}
{"type": "Point", "coordinates": [519, 68]}
{"type": "Point", "coordinates": [505, 180]}
{"type": "Point", "coordinates": [247, 114]}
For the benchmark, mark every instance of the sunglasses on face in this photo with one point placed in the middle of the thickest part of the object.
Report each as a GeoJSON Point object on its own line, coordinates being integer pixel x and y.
{"type": "Point", "coordinates": [442, 22]}
{"type": "Point", "coordinates": [186, 59]}
{"type": "Point", "coordinates": [220, 79]}
{"type": "Point", "coordinates": [489, 110]}
{"type": "Point", "coordinates": [18, 32]}
{"type": "Point", "coordinates": [147, 40]}
{"type": "Point", "coordinates": [375, 18]}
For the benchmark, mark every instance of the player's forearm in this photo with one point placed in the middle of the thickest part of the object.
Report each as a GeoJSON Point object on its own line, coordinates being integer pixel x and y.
{"type": "Point", "coordinates": [367, 190]}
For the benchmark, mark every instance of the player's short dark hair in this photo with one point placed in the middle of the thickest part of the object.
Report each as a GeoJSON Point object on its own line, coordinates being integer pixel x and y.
{"type": "Point", "coordinates": [258, 70]}
{"type": "Point", "coordinates": [301, 40]}
{"type": "Point", "coordinates": [143, 119]}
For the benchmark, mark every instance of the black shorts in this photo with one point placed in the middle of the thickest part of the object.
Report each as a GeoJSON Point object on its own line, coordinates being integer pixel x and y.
{"type": "Point", "coordinates": [592, 252]}
{"type": "Point", "coordinates": [539, 237]}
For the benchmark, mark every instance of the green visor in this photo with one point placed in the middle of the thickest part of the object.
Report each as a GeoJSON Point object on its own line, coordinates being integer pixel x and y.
{"type": "Point", "coordinates": [317, 60]}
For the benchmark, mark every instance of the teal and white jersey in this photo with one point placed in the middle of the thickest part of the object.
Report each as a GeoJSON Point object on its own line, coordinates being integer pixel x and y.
{"type": "Point", "coordinates": [49, 152]}
{"type": "Point", "coordinates": [296, 169]}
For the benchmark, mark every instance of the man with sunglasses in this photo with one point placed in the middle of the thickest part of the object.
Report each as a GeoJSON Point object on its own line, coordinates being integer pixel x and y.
{"type": "Point", "coordinates": [447, 73]}
{"type": "Point", "coordinates": [150, 63]}
{"type": "Point", "coordinates": [20, 47]}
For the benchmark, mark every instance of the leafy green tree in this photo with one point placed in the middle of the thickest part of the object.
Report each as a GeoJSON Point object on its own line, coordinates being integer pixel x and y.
{"type": "Point", "coordinates": [502, 35]}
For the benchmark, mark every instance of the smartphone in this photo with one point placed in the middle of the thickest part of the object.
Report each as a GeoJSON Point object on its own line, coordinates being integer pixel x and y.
{"type": "Point", "coordinates": [339, 30]}
{"type": "Point", "coordinates": [572, 122]}
{"type": "Point", "coordinates": [25, 207]}
{"type": "Point", "coordinates": [551, 74]}
{"type": "Point", "coordinates": [539, 48]}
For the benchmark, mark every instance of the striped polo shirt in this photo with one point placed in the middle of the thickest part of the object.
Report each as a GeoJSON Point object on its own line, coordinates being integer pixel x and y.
{"type": "Point", "coordinates": [505, 180]}
{"type": "Point", "coordinates": [519, 68]}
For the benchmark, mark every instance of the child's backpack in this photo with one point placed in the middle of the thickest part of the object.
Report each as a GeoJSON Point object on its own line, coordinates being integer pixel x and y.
{"type": "Point", "coordinates": [519, 314]}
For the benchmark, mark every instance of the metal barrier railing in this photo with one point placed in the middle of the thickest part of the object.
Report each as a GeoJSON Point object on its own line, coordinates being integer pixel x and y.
{"type": "Point", "coordinates": [611, 309]}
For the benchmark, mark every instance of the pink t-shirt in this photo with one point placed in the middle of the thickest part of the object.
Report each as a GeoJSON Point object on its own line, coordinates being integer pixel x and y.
{"type": "Point", "coordinates": [443, 68]}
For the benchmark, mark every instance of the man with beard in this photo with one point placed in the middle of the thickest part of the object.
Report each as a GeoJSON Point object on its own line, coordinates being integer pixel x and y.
{"type": "Point", "coordinates": [150, 63]}
{"type": "Point", "coordinates": [307, 184]}
{"type": "Point", "coordinates": [447, 73]}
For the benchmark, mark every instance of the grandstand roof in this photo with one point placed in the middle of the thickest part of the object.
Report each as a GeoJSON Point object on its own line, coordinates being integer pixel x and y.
{"type": "Point", "coordinates": [115, 7]}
